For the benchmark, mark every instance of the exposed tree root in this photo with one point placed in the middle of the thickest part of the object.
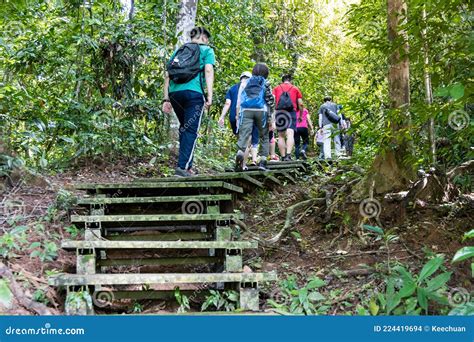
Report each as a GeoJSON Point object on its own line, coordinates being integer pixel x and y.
{"type": "Point", "coordinates": [21, 297]}
{"type": "Point", "coordinates": [288, 222]}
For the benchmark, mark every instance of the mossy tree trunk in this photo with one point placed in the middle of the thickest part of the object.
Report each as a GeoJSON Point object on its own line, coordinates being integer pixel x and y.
{"type": "Point", "coordinates": [392, 169]}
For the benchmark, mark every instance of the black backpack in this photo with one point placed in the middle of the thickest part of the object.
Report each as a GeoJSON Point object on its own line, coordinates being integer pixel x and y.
{"type": "Point", "coordinates": [333, 117]}
{"type": "Point", "coordinates": [285, 103]}
{"type": "Point", "coordinates": [185, 64]}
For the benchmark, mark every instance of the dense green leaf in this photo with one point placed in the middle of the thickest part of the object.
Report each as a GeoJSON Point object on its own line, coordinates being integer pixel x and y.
{"type": "Point", "coordinates": [422, 299]}
{"type": "Point", "coordinates": [463, 254]}
{"type": "Point", "coordinates": [315, 283]}
{"type": "Point", "coordinates": [438, 281]}
{"type": "Point", "coordinates": [469, 235]}
{"type": "Point", "coordinates": [430, 267]}
{"type": "Point", "coordinates": [375, 229]}
{"type": "Point", "coordinates": [316, 296]}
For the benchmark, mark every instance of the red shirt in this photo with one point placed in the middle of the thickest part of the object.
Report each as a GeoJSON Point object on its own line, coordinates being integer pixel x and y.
{"type": "Point", "coordinates": [294, 92]}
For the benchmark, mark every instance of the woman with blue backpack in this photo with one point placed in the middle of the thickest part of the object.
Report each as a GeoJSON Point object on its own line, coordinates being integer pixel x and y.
{"type": "Point", "coordinates": [256, 107]}
{"type": "Point", "coordinates": [188, 69]}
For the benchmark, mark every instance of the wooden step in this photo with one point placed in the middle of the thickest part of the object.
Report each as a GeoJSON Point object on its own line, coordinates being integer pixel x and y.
{"type": "Point", "coordinates": [155, 218]}
{"type": "Point", "coordinates": [225, 176]}
{"type": "Point", "coordinates": [105, 244]}
{"type": "Point", "coordinates": [171, 236]}
{"type": "Point", "coordinates": [166, 228]}
{"type": "Point", "coordinates": [289, 162]}
{"type": "Point", "coordinates": [158, 278]}
{"type": "Point", "coordinates": [158, 185]}
{"type": "Point", "coordinates": [202, 260]}
{"type": "Point", "coordinates": [152, 199]}
{"type": "Point", "coordinates": [286, 167]}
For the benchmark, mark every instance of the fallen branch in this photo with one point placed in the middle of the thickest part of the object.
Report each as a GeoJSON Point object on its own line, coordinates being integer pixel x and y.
{"type": "Point", "coordinates": [20, 296]}
{"type": "Point", "coordinates": [36, 282]}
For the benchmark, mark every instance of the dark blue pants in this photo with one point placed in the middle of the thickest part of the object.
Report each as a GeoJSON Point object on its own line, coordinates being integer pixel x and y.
{"type": "Point", "coordinates": [301, 133]}
{"type": "Point", "coordinates": [188, 106]}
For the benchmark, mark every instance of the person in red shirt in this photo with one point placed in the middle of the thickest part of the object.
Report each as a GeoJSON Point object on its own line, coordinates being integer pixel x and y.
{"type": "Point", "coordinates": [285, 114]}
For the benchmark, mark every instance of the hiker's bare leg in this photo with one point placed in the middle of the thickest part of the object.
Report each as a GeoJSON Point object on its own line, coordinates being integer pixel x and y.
{"type": "Point", "coordinates": [282, 143]}
{"type": "Point", "coordinates": [247, 151]}
{"type": "Point", "coordinates": [290, 140]}
{"type": "Point", "coordinates": [254, 153]}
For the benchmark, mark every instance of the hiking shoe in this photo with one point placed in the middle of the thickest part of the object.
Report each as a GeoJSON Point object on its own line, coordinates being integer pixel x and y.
{"type": "Point", "coordinates": [192, 172]}
{"type": "Point", "coordinates": [239, 161]}
{"type": "Point", "coordinates": [303, 154]}
{"type": "Point", "coordinates": [275, 157]}
{"type": "Point", "coordinates": [179, 172]}
{"type": "Point", "coordinates": [262, 166]}
{"type": "Point", "coordinates": [287, 158]}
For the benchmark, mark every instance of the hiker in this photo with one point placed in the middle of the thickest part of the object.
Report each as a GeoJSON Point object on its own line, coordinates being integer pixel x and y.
{"type": "Point", "coordinates": [349, 138]}
{"type": "Point", "coordinates": [255, 107]}
{"type": "Point", "coordinates": [327, 117]}
{"type": "Point", "coordinates": [319, 137]}
{"type": "Point", "coordinates": [271, 139]}
{"type": "Point", "coordinates": [231, 99]}
{"type": "Point", "coordinates": [338, 138]}
{"type": "Point", "coordinates": [303, 128]}
{"type": "Point", "coordinates": [288, 99]}
{"type": "Point", "coordinates": [187, 69]}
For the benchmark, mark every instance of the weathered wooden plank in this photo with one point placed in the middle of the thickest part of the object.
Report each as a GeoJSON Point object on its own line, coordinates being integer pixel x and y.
{"type": "Point", "coordinates": [152, 199]}
{"type": "Point", "coordinates": [253, 181]}
{"type": "Point", "coordinates": [225, 176]}
{"type": "Point", "coordinates": [158, 185]}
{"type": "Point", "coordinates": [161, 261]}
{"type": "Point", "coordinates": [289, 162]}
{"type": "Point", "coordinates": [289, 177]}
{"type": "Point", "coordinates": [104, 244]}
{"type": "Point", "coordinates": [272, 167]}
{"type": "Point", "coordinates": [171, 236]}
{"type": "Point", "coordinates": [273, 179]}
{"type": "Point", "coordinates": [155, 218]}
{"type": "Point", "coordinates": [158, 278]}
{"type": "Point", "coordinates": [232, 187]}
{"type": "Point", "coordinates": [168, 227]}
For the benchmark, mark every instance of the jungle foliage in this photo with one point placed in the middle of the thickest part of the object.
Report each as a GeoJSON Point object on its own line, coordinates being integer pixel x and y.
{"type": "Point", "coordinates": [80, 81]}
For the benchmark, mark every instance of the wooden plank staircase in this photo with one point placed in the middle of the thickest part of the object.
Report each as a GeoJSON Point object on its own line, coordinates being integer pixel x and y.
{"type": "Point", "coordinates": [165, 232]}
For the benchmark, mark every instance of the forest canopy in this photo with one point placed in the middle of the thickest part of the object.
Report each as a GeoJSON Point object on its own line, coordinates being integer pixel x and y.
{"type": "Point", "coordinates": [81, 79]}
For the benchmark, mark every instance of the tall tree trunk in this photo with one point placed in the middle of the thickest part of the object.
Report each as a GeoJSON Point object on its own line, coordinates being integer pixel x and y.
{"type": "Point", "coordinates": [390, 170]}
{"type": "Point", "coordinates": [185, 23]}
{"type": "Point", "coordinates": [186, 20]}
{"type": "Point", "coordinates": [128, 8]}
{"type": "Point", "coordinates": [428, 89]}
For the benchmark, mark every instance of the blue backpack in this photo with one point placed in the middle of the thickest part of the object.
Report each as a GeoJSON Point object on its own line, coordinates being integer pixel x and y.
{"type": "Point", "coordinates": [253, 95]}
